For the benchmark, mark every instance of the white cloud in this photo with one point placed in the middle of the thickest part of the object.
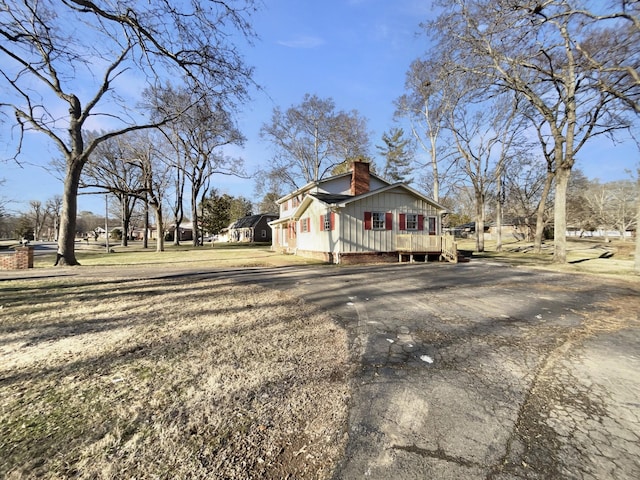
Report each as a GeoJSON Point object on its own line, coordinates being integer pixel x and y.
{"type": "Point", "coordinates": [302, 41]}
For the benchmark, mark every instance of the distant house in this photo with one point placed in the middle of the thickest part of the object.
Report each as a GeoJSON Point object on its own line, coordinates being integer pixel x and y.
{"type": "Point", "coordinates": [251, 229]}
{"type": "Point", "coordinates": [138, 233]}
{"type": "Point", "coordinates": [359, 217]}
{"type": "Point", "coordinates": [520, 228]}
{"type": "Point", "coordinates": [185, 232]}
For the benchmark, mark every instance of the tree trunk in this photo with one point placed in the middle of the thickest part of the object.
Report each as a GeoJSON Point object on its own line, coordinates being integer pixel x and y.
{"type": "Point", "coordinates": [159, 228]}
{"type": "Point", "coordinates": [145, 234]}
{"type": "Point", "coordinates": [537, 241]}
{"type": "Point", "coordinates": [434, 169]}
{"type": "Point", "coordinates": [636, 262]}
{"type": "Point", "coordinates": [176, 231]}
{"type": "Point", "coordinates": [560, 215]}
{"type": "Point", "coordinates": [194, 217]}
{"type": "Point", "coordinates": [479, 222]}
{"type": "Point", "coordinates": [177, 220]}
{"type": "Point", "coordinates": [67, 233]}
{"type": "Point", "coordinates": [499, 216]}
{"type": "Point", "coordinates": [124, 210]}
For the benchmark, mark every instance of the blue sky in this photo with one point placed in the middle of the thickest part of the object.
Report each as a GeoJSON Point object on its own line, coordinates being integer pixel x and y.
{"type": "Point", "coordinates": [353, 51]}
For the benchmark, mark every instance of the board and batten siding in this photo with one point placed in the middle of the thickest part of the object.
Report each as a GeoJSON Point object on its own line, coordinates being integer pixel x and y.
{"type": "Point", "coordinates": [318, 239]}
{"type": "Point", "coordinates": [355, 238]}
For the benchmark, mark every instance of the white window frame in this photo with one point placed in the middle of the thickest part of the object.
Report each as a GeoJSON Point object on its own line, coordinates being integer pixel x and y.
{"type": "Point", "coordinates": [411, 221]}
{"type": "Point", "coordinates": [327, 221]}
{"type": "Point", "coordinates": [378, 220]}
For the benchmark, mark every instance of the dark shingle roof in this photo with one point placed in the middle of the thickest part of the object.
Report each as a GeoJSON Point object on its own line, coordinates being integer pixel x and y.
{"type": "Point", "coordinates": [251, 220]}
{"type": "Point", "coordinates": [330, 197]}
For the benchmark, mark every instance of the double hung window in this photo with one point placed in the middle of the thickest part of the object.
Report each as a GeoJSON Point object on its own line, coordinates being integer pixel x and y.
{"type": "Point", "coordinates": [378, 220]}
{"type": "Point", "coordinates": [411, 221]}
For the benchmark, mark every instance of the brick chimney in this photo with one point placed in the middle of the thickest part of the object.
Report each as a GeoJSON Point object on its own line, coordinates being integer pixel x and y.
{"type": "Point", "coordinates": [359, 177]}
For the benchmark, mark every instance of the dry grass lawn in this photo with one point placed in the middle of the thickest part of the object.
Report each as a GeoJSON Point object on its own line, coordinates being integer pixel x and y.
{"type": "Point", "coordinates": [589, 256]}
{"type": "Point", "coordinates": [167, 379]}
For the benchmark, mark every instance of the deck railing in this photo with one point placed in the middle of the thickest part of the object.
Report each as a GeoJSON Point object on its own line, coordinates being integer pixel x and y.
{"type": "Point", "coordinates": [419, 243]}
{"type": "Point", "coordinates": [442, 244]}
{"type": "Point", "coordinates": [450, 248]}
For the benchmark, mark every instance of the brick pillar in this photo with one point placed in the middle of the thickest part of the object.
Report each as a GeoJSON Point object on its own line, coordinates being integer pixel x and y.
{"type": "Point", "coordinates": [23, 258]}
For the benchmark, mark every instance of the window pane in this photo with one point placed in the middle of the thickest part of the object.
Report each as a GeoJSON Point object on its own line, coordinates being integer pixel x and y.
{"type": "Point", "coordinates": [412, 221]}
{"type": "Point", "coordinates": [432, 225]}
{"type": "Point", "coordinates": [377, 220]}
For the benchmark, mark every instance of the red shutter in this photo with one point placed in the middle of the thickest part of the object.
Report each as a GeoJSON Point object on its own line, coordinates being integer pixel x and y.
{"type": "Point", "coordinates": [432, 225]}
{"type": "Point", "coordinates": [367, 220]}
{"type": "Point", "coordinates": [332, 220]}
{"type": "Point", "coordinates": [420, 222]}
{"type": "Point", "coordinates": [403, 221]}
{"type": "Point", "coordinates": [321, 223]}
{"type": "Point", "coordinates": [388, 221]}
{"type": "Point", "coordinates": [308, 224]}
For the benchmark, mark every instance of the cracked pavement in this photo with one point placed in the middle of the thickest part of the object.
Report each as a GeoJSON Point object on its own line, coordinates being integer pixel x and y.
{"type": "Point", "coordinates": [485, 371]}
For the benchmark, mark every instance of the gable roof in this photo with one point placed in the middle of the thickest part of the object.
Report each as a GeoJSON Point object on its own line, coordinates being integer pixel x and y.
{"type": "Point", "coordinates": [251, 220]}
{"type": "Point", "coordinates": [311, 185]}
{"type": "Point", "coordinates": [341, 201]}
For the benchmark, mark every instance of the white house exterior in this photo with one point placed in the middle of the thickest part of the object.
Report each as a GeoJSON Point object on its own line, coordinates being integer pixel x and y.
{"type": "Point", "coordinates": [358, 217]}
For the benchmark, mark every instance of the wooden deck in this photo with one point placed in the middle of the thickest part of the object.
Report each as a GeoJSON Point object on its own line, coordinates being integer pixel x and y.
{"type": "Point", "coordinates": [415, 244]}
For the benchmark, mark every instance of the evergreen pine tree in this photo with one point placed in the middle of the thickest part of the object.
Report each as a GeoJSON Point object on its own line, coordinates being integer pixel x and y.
{"type": "Point", "coordinates": [398, 154]}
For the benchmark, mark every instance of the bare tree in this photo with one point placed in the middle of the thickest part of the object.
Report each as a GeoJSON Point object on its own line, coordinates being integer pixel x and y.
{"type": "Point", "coordinates": [483, 135]}
{"type": "Point", "coordinates": [146, 151]}
{"type": "Point", "coordinates": [612, 205]}
{"type": "Point", "coordinates": [636, 262]}
{"type": "Point", "coordinates": [179, 180]}
{"type": "Point", "coordinates": [197, 137]}
{"type": "Point", "coordinates": [269, 187]}
{"type": "Point", "coordinates": [612, 50]}
{"type": "Point", "coordinates": [160, 99]}
{"type": "Point", "coordinates": [38, 216]}
{"type": "Point", "coordinates": [311, 139]}
{"type": "Point", "coordinates": [625, 199]}
{"type": "Point", "coordinates": [580, 216]}
{"type": "Point", "coordinates": [3, 201]}
{"type": "Point", "coordinates": [525, 187]}
{"type": "Point", "coordinates": [53, 207]}
{"type": "Point", "coordinates": [117, 43]}
{"type": "Point", "coordinates": [111, 170]}
{"type": "Point", "coordinates": [529, 48]}
{"type": "Point", "coordinates": [426, 104]}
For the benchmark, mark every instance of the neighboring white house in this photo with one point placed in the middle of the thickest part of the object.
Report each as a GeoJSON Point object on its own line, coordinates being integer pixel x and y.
{"type": "Point", "coordinates": [359, 217]}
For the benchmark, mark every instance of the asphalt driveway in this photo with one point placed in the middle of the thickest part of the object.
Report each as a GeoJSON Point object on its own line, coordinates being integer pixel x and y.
{"type": "Point", "coordinates": [485, 371]}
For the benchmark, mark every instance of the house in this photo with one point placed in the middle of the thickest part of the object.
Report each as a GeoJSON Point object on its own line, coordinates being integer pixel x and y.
{"type": "Point", "coordinates": [253, 228]}
{"type": "Point", "coordinates": [519, 228]}
{"type": "Point", "coordinates": [358, 217]}
{"type": "Point", "coordinates": [185, 232]}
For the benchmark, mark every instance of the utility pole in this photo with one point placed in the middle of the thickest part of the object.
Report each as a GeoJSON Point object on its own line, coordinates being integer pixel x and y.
{"type": "Point", "coordinates": [106, 220]}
